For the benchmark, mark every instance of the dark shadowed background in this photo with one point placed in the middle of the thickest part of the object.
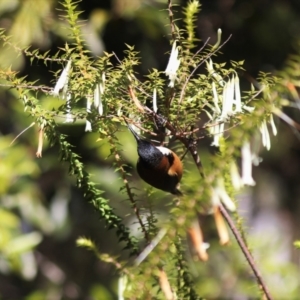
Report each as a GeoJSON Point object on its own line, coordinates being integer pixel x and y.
{"type": "Point", "coordinates": [37, 196]}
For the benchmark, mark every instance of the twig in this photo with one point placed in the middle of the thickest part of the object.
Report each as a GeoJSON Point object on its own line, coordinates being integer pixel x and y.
{"type": "Point", "coordinates": [21, 133]}
{"type": "Point", "coordinates": [45, 89]}
{"type": "Point", "coordinates": [150, 247]}
{"type": "Point", "coordinates": [129, 193]}
{"type": "Point", "coordinates": [245, 250]}
{"type": "Point", "coordinates": [196, 68]}
{"type": "Point", "coordinates": [172, 23]}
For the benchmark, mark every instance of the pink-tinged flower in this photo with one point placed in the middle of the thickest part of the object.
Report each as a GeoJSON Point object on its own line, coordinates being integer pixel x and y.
{"type": "Point", "coordinates": [219, 195]}
{"type": "Point", "coordinates": [196, 236]}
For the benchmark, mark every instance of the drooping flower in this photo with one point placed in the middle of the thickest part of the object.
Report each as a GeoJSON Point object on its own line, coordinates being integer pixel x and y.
{"type": "Point", "coordinates": [274, 129]}
{"type": "Point", "coordinates": [266, 141]}
{"type": "Point", "coordinates": [173, 65]}
{"type": "Point", "coordinates": [69, 117]}
{"type": "Point", "coordinates": [231, 96]}
{"type": "Point", "coordinates": [212, 72]}
{"type": "Point", "coordinates": [63, 79]}
{"type": "Point", "coordinates": [154, 100]}
{"type": "Point", "coordinates": [216, 98]}
{"type": "Point", "coordinates": [231, 104]}
{"type": "Point", "coordinates": [219, 194]}
{"type": "Point", "coordinates": [217, 132]}
{"type": "Point", "coordinates": [98, 92]}
{"type": "Point", "coordinates": [236, 179]}
{"type": "Point", "coordinates": [247, 165]}
{"type": "Point", "coordinates": [196, 235]}
{"type": "Point", "coordinates": [62, 87]}
{"type": "Point", "coordinates": [88, 125]}
{"type": "Point", "coordinates": [237, 92]}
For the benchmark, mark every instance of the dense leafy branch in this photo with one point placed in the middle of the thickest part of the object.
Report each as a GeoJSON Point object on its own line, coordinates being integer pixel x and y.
{"type": "Point", "coordinates": [191, 103]}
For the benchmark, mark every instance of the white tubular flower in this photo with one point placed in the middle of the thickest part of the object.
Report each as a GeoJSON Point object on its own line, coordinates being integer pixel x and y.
{"type": "Point", "coordinates": [88, 125]}
{"type": "Point", "coordinates": [224, 197]}
{"type": "Point", "coordinates": [236, 179]}
{"type": "Point", "coordinates": [248, 108]}
{"type": "Point", "coordinates": [220, 195]}
{"type": "Point", "coordinates": [274, 129]}
{"type": "Point", "coordinates": [154, 100]}
{"type": "Point", "coordinates": [98, 98]}
{"type": "Point", "coordinates": [217, 132]}
{"type": "Point", "coordinates": [212, 72]}
{"type": "Point", "coordinates": [69, 117]}
{"type": "Point", "coordinates": [227, 103]}
{"type": "Point", "coordinates": [173, 65]}
{"type": "Point", "coordinates": [247, 165]}
{"type": "Point", "coordinates": [237, 93]}
{"type": "Point", "coordinates": [122, 284]}
{"type": "Point", "coordinates": [119, 111]}
{"type": "Point", "coordinates": [231, 96]}
{"type": "Point", "coordinates": [216, 98]}
{"type": "Point", "coordinates": [265, 135]}
{"type": "Point", "coordinates": [63, 79]}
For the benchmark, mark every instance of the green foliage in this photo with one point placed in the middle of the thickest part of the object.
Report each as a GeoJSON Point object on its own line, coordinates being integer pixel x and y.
{"type": "Point", "coordinates": [192, 108]}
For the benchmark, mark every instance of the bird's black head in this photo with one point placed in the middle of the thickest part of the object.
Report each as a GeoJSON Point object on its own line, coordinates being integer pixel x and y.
{"type": "Point", "coordinates": [149, 155]}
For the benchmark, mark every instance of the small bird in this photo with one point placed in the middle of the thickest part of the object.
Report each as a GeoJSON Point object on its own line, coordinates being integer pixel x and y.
{"type": "Point", "coordinates": [158, 166]}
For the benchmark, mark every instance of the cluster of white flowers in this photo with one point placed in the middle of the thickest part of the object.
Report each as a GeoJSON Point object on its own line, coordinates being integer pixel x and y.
{"type": "Point", "coordinates": [98, 92]}
{"type": "Point", "coordinates": [231, 104]}
{"type": "Point", "coordinates": [230, 99]}
{"type": "Point", "coordinates": [249, 158]}
{"type": "Point", "coordinates": [62, 87]}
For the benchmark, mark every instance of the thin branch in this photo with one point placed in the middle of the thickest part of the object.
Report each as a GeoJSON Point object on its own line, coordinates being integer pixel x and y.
{"type": "Point", "coordinates": [21, 133]}
{"type": "Point", "coordinates": [197, 67]}
{"type": "Point", "coordinates": [171, 18]}
{"type": "Point", "coordinates": [246, 251]}
{"type": "Point", "coordinates": [142, 256]}
{"type": "Point", "coordinates": [135, 99]}
{"type": "Point", "coordinates": [45, 89]}
{"type": "Point", "coordinates": [129, 193]}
